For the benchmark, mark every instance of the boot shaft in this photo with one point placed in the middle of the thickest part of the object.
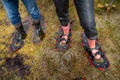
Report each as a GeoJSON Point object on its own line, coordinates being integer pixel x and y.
{"type": "Point", "coordinates": [20, 30]}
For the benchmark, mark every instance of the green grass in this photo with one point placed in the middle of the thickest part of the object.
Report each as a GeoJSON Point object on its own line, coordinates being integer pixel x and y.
{"type": "Point", "coordinates": [43, 62]}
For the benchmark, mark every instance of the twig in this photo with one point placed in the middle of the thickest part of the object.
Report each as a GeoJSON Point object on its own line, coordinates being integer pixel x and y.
{"type": "Point", "coordinates": [110, 4]}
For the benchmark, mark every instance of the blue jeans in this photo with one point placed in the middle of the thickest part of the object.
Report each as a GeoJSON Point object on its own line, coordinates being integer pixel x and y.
{"type": "Point", "coordinates": [11, 7]}
{"type": "Point", "coordinates": [85, 10]}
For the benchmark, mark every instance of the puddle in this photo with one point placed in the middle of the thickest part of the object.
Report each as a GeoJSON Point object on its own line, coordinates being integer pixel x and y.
{"type": "Point", "coordinates": [14, 66]}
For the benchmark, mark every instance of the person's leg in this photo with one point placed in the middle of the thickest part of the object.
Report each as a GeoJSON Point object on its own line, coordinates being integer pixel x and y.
{"type": "Point", "coordinates": [11, 7]}
{"type": "Point", "coordinates": [38, 20]}
{"type": "Point", "coordinates": [62, 13]}
{"type": "Point", "coordinates": [32, 9]}
{"type": "Point", "coordinates": [85, 10]}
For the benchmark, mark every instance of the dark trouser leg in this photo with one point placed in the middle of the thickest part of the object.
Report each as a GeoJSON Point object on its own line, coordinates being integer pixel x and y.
{"type": "Point", "coordinates": [62, 11]}
{"type": "Point", "coordinates": [85, 10]}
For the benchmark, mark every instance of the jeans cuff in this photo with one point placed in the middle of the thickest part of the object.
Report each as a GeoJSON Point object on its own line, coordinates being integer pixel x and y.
{"type": "Point", "coordinates": [17, 24]}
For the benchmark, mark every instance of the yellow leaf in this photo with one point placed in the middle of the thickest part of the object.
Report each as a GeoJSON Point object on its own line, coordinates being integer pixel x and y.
{"type": "Point", "coordinates": [99, 5]}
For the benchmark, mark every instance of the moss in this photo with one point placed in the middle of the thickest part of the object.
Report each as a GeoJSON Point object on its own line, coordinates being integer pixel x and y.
{"type": "Point", "coordinates": [48, 64]}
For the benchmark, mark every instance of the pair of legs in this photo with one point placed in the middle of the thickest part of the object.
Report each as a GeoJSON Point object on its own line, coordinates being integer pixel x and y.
{"type": "Point", "coordinates": [11, 7]}
{"type": "Point", "coordinates": [85, 10]}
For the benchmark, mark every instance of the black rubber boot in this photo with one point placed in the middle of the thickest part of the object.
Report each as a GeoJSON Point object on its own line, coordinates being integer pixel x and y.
{"type": "Point", "coordinates": [18, 39]}
{"type": "Point", "coordinates": [39, 31]}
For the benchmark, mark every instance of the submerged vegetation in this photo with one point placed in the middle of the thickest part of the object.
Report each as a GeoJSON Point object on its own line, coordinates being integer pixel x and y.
{"type": "Point", "coordinates": [43, 62]}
